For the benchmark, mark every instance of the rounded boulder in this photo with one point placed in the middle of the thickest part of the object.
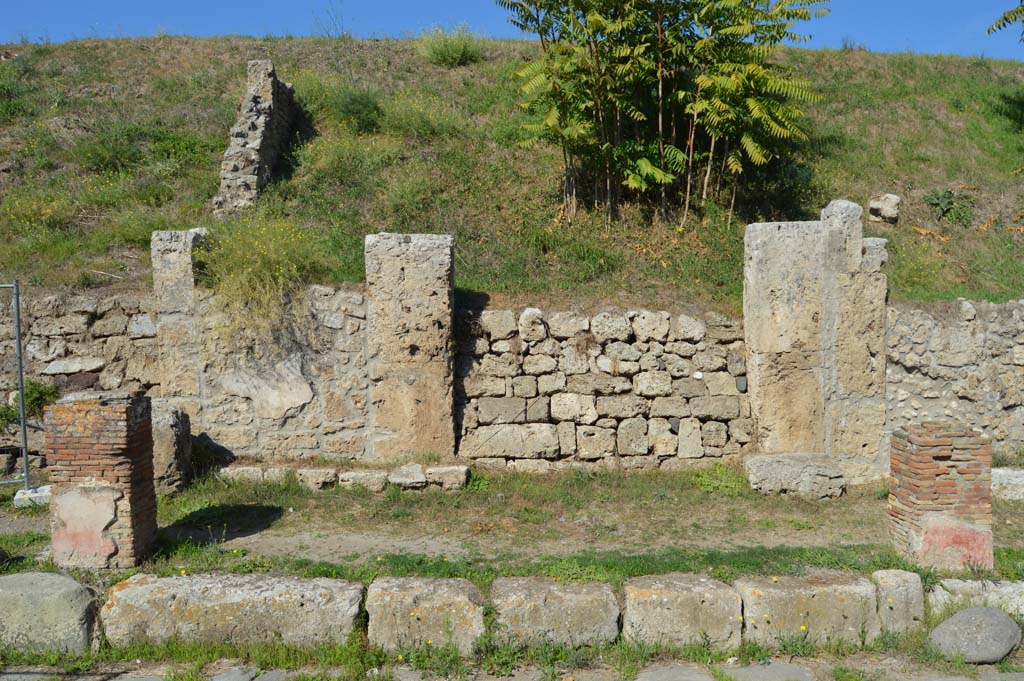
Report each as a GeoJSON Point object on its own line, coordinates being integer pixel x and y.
{"type": "Point", "coordinates": [977, 635]}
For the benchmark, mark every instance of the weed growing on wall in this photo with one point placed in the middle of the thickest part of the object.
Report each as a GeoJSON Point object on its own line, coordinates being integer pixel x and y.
{"type": "Point", "coordinates": [37, 396]}
{"type": "Point", "coordinates": [253, 267]}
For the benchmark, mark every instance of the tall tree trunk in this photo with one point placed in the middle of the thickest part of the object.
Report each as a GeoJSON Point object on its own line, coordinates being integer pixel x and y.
{"type": "Point", "coordinates": [732, 203]}
{"type": "Point", "coordinates": [721, 172]}
{"type": "Point", "coordinates": [661, 113]}
{"type": "Point", "coordinates": [689, 168]}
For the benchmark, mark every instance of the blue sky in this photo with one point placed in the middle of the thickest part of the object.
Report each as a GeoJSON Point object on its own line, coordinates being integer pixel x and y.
{"type": "Point", "coordinates": [929, 26]}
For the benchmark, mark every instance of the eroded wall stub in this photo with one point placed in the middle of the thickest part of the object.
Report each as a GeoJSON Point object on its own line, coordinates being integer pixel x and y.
{"type": "Point", "coordinates": [814, 314]}
{"type": "Point", "coordinates": [409, 282]}
{"type": "Point", "coordinates": [267, 117]}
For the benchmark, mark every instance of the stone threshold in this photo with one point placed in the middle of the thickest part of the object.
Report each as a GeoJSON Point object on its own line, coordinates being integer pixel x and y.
{"type": "Point", "coordinates": [412, 476]}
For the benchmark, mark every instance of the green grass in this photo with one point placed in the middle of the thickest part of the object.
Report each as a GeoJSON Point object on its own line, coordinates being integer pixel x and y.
{"type": "Point", "coordinates": [113, 139]}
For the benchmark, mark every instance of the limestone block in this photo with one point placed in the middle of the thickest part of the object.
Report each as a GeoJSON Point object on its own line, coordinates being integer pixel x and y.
{"type": "Point", "coordinates": [501, 410]}
{"type": "Point", "coordinates": [74, 365]}
{"type": "Point", "coordinates": [45, 612]}
{"type": "Point", "coordinates": [173, 278]}
{"type": "Point", "coordinates": [663, 439]}
{"type": "Point", "coordinates": [538, 609]}
{"type": "Point", "coordinates": [172, 446]}
{"type": "Point", "coordinates": [448, 477]}
{"type": "Point", "coordinates": [679, 609]}
{"type": "Point", "coordinates": [811, 476]}
{"type": "Point", "coordinates": [573, 407]}
{"type": "Point", "coordinates": [408, 612]}
{"type": "Point", "coordinates": [648, 326]}
{"type": "Point", "coordinates": [721, 408]}
{"type": "Point", "coordinates": [900, 600]}
{"type": "Point", "coordinates": [246, 473]}
{"type": "Point", "coordinates": [721, 383]}
{"type": "Point", "coordinates": [524, 386]}
{"type": "Point", "coordinates": [371, 480]}
{"type": "Point", "coordinates": [538, 409]}
{"type": "Point", "coordinates": [608, 326]}
{"type": "Point", "coordinates": [623, 406]}
{"type": "Point", "coordinates": [653, 384]}
{"type": "Point", "coordinates": [410, 414]}
{"type": "Point", "coordinates": [691, 445]}
{"type": "Point", "coordinates": [532, 328]}
{"type": "Point", "coordinates": [573, 360]}
{"type": "Point", "coordinates": [275, 393]}
{"type": "Point", "coordinates": [498, 324]}
{"type": "Point", "coordinates": [514, 441]}
{"type": "Point", "coordinates": [622, 351]}
{"type": "Point", "coordinates": [670, 407]}
{"type": "Point", "coordinates": [593, 442]}
{"type": "Point", "coordinates": [535, 365]}
{"type": "Point", "coordinates": [567, 438]}
{"type": "Point", "coordinates": [564, 325]}
{"type": "Point", "coordinates": [317, 478]}
{"type": "Point", "coordinates": [689, 329]}
{"type": "Point", "coordinates": [1008, 483]}
{"type": "Point", "coordinates": [884, 208]}
{"type": "Point", "coordinates": [234, 609]}
{"type": "Point", "coordinates": [824, 606]}
{"type": "Point", "coordinates": [598, 384]}
{"type": "Point", "coordinates": [110, 325]}
{"type": "Point", "coordinates": [1008, 596]}
{"type": "Point", "coordinates": [410, 476]}
{"type": "Point", "coordinates": [631, 437]}
{"type": "Point", "coordinates": [550, 384]}
{"type": "Point", "coordinates": [484, 386]}
{"type": "Point", "coordinates": [714, 434]}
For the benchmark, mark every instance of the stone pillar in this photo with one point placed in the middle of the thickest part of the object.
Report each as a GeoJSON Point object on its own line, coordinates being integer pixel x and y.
{"type": "Point", "coordinates": [814, 316]}
{"type": "Point", "coordinates": [409, 343]}
{"type": "Point", "coordinates": [940, 500]}
{"type": "Point", "coordinates": [103, 508]}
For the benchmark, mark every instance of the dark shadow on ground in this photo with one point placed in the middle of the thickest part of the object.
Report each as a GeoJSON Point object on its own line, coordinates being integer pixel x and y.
{"type": "Point", "coordinates": [216, 524]}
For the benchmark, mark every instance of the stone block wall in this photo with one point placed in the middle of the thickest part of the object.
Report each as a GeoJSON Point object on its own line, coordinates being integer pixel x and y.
{"type": "Point", "coordinates": [959, 360]}
{"type": "Point", "coordinates": [940, 501]}
{"type": "Point", "coordinates": [103, 504]}
{"type": "Point", "coordinates": [538, 391]}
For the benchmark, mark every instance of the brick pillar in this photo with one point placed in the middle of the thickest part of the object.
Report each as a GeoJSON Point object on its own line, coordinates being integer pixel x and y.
{"type": "Point", "coordinates": [103, 507]}
{"type": "Point", "coordinates": [409, 340]}
{"type": "Point", "coordinates": [940, 501]}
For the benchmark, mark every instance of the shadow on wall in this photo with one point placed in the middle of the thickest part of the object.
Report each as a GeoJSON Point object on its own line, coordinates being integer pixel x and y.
{"type": "Point", "coordinates": [469, 305]}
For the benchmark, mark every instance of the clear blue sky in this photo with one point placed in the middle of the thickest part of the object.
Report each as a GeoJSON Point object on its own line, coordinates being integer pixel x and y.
{"type": "Point", "coordinates": [930, 26]}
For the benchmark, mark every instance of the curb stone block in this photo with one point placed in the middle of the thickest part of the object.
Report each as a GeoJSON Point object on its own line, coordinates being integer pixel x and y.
{"type": "Point", "coordinates": [409, 611]}
{"type": "Point", "coordinates": [231, 608]}
{"type": "Point", "coordinates": [44, 612]}
{"type": "Point", "coordinates": [680, 609]}
{"type": "Point", "coordinates": [900, 600]}
{"type": "Point", "coordinates": [448, 477]}
{"type": "Point", "coordinates": [1008, 596]}
{"type": "Point", "coordinates": [825, 606]}
{"type": "Point", "coordinates": [532, 609]}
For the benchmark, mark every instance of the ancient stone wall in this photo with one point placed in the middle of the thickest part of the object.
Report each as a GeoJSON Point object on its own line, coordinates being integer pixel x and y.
{"type": "Point", "coordinates": [959, 360]}
{"type": "Point", "coordinates": [539, 391]}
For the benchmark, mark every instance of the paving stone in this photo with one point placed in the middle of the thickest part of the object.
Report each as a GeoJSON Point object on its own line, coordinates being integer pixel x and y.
{"type": "Point", "coordinates": [776, 671]}
{"type": "Point", "coordinates": [236, 674]}
{"type": "Point", "coordinates": [676, 672]}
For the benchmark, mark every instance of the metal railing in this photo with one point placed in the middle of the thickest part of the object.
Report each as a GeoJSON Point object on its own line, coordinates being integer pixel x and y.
{"type": "Point", "coordinates": [21, 386]}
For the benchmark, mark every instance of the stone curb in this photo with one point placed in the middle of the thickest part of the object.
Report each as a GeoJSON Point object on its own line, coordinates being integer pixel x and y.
{"type": "Point", "coordinates": [405, 613]}
{"type": "Point", "coordinates": [411, 476]}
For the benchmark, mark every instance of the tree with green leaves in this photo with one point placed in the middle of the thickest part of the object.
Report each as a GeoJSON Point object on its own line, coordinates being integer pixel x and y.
{"type": "Point", "coordinates": [1011, 17]}
{"type": "Point", "coordinates": [651, 96]}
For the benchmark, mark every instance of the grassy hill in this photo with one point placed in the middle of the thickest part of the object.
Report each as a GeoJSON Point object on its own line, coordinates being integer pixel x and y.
{"type": "Point", "coordinates": [103, 141]}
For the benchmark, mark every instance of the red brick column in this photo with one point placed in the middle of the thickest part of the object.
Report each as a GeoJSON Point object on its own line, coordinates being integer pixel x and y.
{"type": "Point", "coordinates": [940, 499]}
{"type": "Point", "coordinates": [103, 506]}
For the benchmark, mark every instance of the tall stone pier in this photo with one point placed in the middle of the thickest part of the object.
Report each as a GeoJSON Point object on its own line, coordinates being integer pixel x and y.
{"type": "Point", "coordinates": [940, 498]}
{"type": "Point", "coordinates": [103, 508]}
{"type": "Point", "coordinates": [409, 282]}
{"type": "Point", "coordinates": [814, 307]}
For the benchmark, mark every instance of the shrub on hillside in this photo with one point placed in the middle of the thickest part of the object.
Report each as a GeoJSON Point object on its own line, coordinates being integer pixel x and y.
{"type": "Point", "coordinates": [335, 100]}
{"type": "Point", "coordinates": [457, 48]}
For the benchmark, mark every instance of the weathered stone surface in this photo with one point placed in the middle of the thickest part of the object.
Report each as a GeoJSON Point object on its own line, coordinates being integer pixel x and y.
{"type": "Point", "coordinates": [900, 600]}
{"type": "Point", "coordinates": [1008, 596]}
{"type": "Point", "coordinates": [371, 480]}
{"type": "Point", "coordinates": [885, 208]}
{"type": "Point", "coordinates": [448, 477]}
{"type": "Point", "coordinates": [826, 606]}
{"type": "Point", "coordinates": [81, 518]}
{"type": "Point", "coordinates": [688, 329]}
{"type": "Point", "coordinates": [408, 612]}
{"type": "Point", "coordinates": [811, 476]}
{"type": "Point", "coordinates": [498, 324]}
{"type": "Point", "coordinates": [172, 446]}
{"type": "Point", "coordinates": [45, 612]}
{"type": "Point", "coordinates": [564, 325]}
{"type": "Point", "coordinates": [623, 406]}
{"type": "Point", "coordinates": [74, 365]}
{"type": "Point", "coordinates": [514, 441]}
{"type": "Point", "coordinates": [409, 344]}
{"type": "Point", "coordinates": [679, 609]}
{"type": "Point", "coordinates": [534, 609]}
{"type": "Point", "coordinates": [674, 672]}
{"type": "Point", "coordinates": [501, 410]}
{"type": "Point", "coordinates": [274, 393]}
{"type": "Point", "coordinates": [1008, 483]}
{"type": "Point", "coordinates": [594, 443]}
{"type": "Point", "coordinates": [410, 476]}
{"type": "Point", "coordinates": [773, 671]}
{"type": "Point", "coordinates": [141, 326]}
{"type": "Point", "coordinates": [573, 407]}
{"type": "Point", "coordinates": [234, 609]}
{"type": "Point", "coordinates": [631, 437]}
{"type": "Point", "coordinates": [608, 326]}
{"type": "Point", "coordinates": [317, 478]}
{"type": "Point", "coordinates": [721, 408]}
{"type": "Point", "coordinates": [532, 328]}
{"type": "Point", "coordinates": [691, 444]}
{"type": "Point", "coordinates": [598, 384]}
{"type": "Point", "coordinates": [651, 326]}
{"type": "Point", "coordinates": [653, 384]}
{"type": "Point", "coordinates": [977, 636]}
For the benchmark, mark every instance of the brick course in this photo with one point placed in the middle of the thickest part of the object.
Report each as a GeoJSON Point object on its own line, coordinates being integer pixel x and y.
{"type": "Point", "coordinates": [940, 500]}
{"type": "Point", "coordinates": [100, 449]}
